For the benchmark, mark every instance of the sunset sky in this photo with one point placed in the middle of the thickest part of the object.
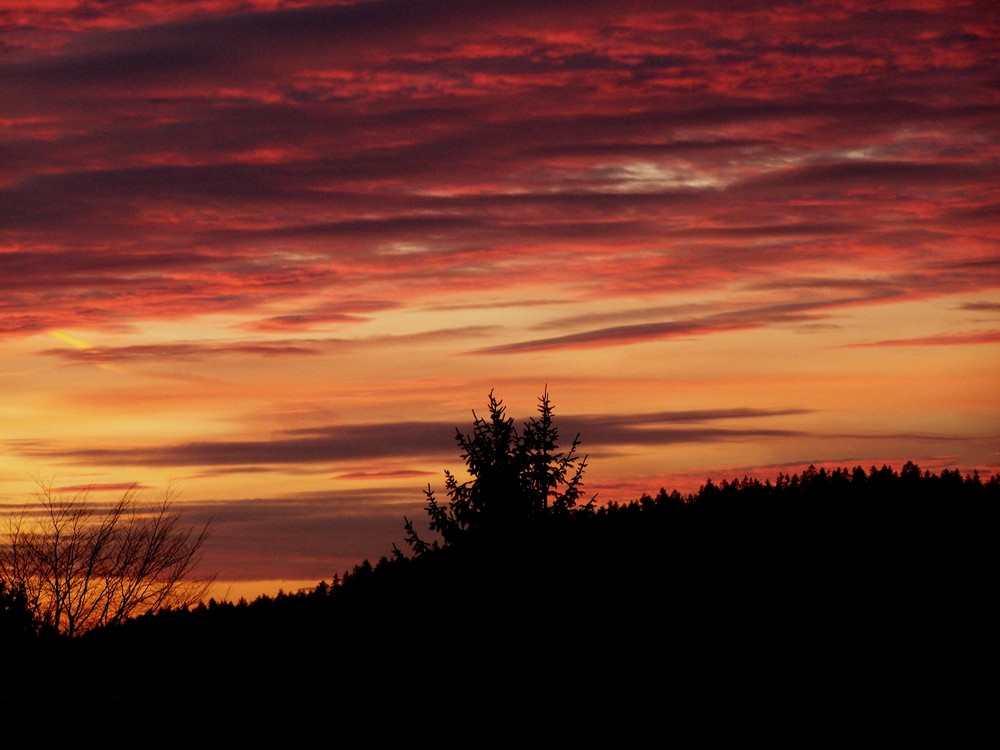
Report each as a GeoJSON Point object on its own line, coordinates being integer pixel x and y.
{"type": "Point", "coordinates": [271, 254]}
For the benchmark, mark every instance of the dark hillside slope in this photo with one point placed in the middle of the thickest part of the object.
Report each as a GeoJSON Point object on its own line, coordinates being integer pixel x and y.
{"type": "Point", "coordinates": [883, 579]}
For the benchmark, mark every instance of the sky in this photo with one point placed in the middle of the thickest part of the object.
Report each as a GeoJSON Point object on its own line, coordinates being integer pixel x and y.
{"type": "Point", "coordinates": [268, 256]}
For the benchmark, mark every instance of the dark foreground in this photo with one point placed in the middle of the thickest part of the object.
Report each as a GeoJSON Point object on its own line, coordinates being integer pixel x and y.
{"type": "Point", "coordinates": [835, 599]}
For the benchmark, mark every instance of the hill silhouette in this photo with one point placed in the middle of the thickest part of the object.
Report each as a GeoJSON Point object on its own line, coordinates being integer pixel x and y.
{"type": "Point", "coordinates": [850, 584]}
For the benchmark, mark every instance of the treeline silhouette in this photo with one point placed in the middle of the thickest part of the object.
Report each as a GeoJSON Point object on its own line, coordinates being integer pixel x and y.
{"type": "Point", "coordinates": [820, 566]}
{"type": "Point", "coordinates": [874, 576]}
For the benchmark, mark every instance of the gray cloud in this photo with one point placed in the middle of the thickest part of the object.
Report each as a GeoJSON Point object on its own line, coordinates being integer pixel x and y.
{"type": "Point", "coordinates": [309, 537]}
{"type": "Point", "coordinates": [179, 351]}
{"type": "Point", "coordinates": [965, 338]}
{"type": "Point", "coordinates": [619, 335]}
{"type": "Point", "coordinates": [323, 444]}
{"type": "Point", "coordinates": [355, 442]}
{"type": "Point", "coordinates": [858, 173]}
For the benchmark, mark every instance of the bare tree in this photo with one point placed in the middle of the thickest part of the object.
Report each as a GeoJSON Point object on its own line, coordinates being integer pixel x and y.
{"type": "Point", "coordinates": [82, 565]}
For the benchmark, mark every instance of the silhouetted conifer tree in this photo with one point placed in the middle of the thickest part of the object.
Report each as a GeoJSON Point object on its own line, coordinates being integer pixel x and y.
{"type": "Point", "coordinates": [515, 476]}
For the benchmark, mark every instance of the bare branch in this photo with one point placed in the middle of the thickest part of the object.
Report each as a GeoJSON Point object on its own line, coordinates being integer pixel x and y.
{"type": "Point", "coordinates": [81, 565]}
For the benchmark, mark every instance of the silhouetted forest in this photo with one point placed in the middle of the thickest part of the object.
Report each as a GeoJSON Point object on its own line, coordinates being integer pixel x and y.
{"type": "Point", "coordinates": [851, 579]}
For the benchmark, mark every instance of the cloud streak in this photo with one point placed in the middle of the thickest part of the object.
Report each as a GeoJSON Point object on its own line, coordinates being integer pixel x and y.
{"type": "Point", "coordinates": [793, 312]}
{"type": "Point", "coordinates": [365, 442]}
{"type": "Point", "coordinates": [949, 339]}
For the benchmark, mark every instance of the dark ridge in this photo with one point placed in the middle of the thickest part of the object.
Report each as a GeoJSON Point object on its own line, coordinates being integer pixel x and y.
{"type": "Point", "coordinates": [817, 593]}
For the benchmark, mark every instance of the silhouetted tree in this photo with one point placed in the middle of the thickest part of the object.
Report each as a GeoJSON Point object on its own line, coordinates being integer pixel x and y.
{"type": "Point", "coordinates": [17, 622]}
{"type": "Point", "coordinates": [80, 566]}
{"type": "Point", "coordinates": [515, 476]}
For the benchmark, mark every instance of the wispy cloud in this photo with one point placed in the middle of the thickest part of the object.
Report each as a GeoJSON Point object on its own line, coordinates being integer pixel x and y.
{"type": "Point", "coordinates": [352, 442]}
{"type": "Point", "coordinates": [193, 351]}
{"type": "Point", "coordinates": [791, 312]}
{"type": "Point", "coordinates": [118, 487]}
{"type": "Point", "coordinates": [970, 338]}
{"type": "Point", "coordinates": [311, 536]}
{"type": "Point", "coordinates": [178, 351]}
{"type": "Point", "coordinates": [981, 306]}
{"type": "Point", "coordinates": [321, 444]}
{"type": "Point", "coordinates": [385, 474]}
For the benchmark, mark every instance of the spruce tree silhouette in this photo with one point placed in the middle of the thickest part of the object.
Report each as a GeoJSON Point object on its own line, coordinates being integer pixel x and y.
{"type": "Point", "coordinates": [502, 580]}
{"type": "Point", "coordinates": [516, 477]}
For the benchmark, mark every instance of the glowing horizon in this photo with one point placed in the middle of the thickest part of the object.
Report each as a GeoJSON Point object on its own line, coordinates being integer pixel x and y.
{"type": "Point", "coordinates": [273, 254]}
